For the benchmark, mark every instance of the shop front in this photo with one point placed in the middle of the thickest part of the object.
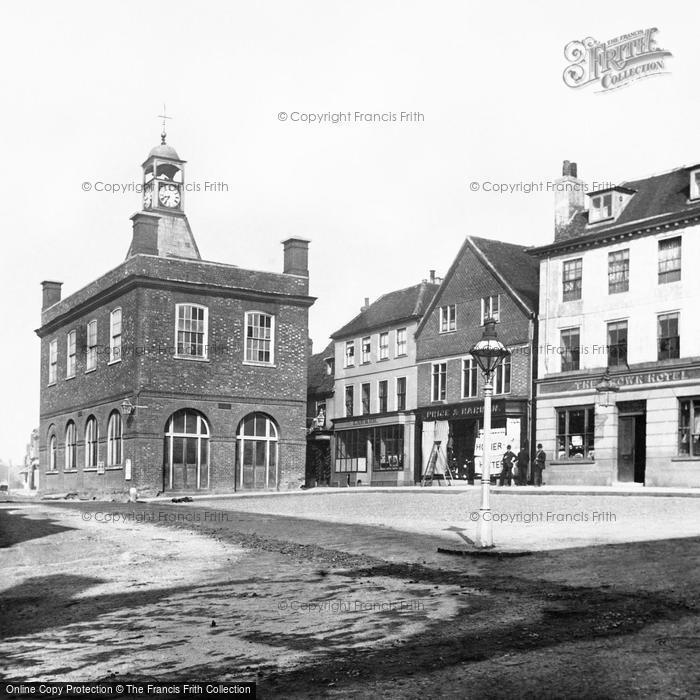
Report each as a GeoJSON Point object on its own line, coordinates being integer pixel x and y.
{"type": "Point", "coordinates": [647, 432]}
{"type": "Point", "coordinates": [374, 450]}
{"type": "Point", "coordinates": [456, 427]}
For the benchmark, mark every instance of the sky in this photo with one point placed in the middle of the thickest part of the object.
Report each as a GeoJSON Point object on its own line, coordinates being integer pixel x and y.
{"type": "Point", "coordinates": [382, 202]}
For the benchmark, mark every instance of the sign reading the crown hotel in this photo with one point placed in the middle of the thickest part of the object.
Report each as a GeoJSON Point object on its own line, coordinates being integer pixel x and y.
{"type": "Point", "coordinates": [628, 380]}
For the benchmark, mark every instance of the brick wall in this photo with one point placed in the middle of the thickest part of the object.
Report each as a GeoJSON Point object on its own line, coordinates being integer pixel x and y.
{"type": "Point", "coordinates": [149, 374]}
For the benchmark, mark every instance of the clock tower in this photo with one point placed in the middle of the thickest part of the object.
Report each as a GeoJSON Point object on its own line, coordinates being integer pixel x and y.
{"type": "Point", "coordinates": [163, 179]}
{"type": "Point", "coordinates": [161, 228]}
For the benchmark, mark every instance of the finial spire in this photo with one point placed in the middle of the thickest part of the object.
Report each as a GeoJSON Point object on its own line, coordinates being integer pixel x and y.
{"type": "Point", "coordinates": [163, 116]}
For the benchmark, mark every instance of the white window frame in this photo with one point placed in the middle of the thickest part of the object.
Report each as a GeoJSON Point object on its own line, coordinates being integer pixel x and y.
{"type": "Point", "coordinates": [489, 312]}
{"type": "Point", "coordinates": [71, 357]}
{"type": "Point", "coordinates": [441, 385]}
{"type": "Point", "coordinates": [52, 465]}
{"type": "Point", "coordinates": [345, 400]}
{"type": "Point", "coordinates": [259, 363]}
{"type": "Point", "coordinates": [597, 211]}
{"type": "Point", "coordinates": [91, 346]}
{"type": "Point", "coordinates": [366, 350]}
{"type": "Point", "coordinates": [349, 358]}
{"type": "Point", "coordinates": [362, 399]}
{"type": "Point", "coordinates": [70, 462]}
{"type": "Point", "coordinates": [115, 339]}
{"type": "Point", "coordinates": [680, 258]}
{"type": "Point", "coordinates": [448, 318]}
{"type": "Point", "coordinates": [473, 368]}
{"type": "Point", "coordinates": [500, 376]}
{"type": "Point", "coordinates": [405, 342]}
{"type": "Point", "coordinates": [205, 333]}
{"type": "Point", "coordinates": [384, 345]}
{"type": "Point", "coordinates": [53, 361]}
{"type": "Point", "coordinates": [88, 442]}
{"type": "Point", "coordinates": [695, 184]}
{"type": "Point", "coordinates": [115, 444]}
{"type": "Point", "coordinates": [405, 394]}
{"type": "Point", "coordinates": [379, 396]}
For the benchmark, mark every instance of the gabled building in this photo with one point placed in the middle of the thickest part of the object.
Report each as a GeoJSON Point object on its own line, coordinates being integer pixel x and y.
{"type": "Point", "coordinates": [375, 438]}
{"type": "Point", "coordinates": [618, 393]}
{"type": "Point", "coordinates": [173, 373]}
{"type": "Point", "coordinates": [488, 278]}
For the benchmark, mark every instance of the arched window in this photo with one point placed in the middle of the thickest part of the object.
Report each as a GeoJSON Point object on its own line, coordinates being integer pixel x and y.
{"type": "Point", "coordinates": [114, 439]}
{"type": "Point", "coordinates": [91, 444]}
{"type": "Point", "coordinates": [70, 446]}
{"type": "Point", "coordinates": [53, 449]}
{"type": "Point", "coordinates": [257, 439]}
{"type": "Point", "coordinates": [186, 451]}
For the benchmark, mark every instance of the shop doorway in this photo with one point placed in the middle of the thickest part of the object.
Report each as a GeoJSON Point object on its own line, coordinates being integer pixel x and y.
{"type": "Point", "coordinates": [631, 446]}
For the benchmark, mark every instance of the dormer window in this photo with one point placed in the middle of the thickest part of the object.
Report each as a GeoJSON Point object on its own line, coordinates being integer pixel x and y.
{"type": "Point", "coordinates": [695, 184]}
{"type": "Point", "coordinates": [608, 204]}
{"type": "Point", "coordinates": [601, 208]}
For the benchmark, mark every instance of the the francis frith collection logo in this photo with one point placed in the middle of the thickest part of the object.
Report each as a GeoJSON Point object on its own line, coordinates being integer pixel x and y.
{"type": "Point", "coordinates": [614, 63]}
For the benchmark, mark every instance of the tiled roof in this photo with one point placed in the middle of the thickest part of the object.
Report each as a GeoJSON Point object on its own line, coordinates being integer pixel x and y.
{"type": "Point", "coordinates": [401, 305]}
{"type": "Point", "coordinates": [658, 200]}
{"type": "Point", "coordinates": [319, 381]}
{"type": "Point", "coordinates": [511, 264]}
{"type": "Point", "coordinates": [519, 269]}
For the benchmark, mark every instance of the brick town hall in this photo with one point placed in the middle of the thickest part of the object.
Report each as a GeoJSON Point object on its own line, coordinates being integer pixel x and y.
{"type": "Point", "coordinates": [171, 373]}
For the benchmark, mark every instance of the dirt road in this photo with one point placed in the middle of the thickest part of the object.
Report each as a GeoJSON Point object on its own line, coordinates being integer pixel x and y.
{"type": "Point", "coordinates": [94, 591]}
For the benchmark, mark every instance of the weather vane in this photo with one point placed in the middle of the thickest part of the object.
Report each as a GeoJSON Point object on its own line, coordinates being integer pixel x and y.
{"type": "Point", "coordinates": [163, 116]}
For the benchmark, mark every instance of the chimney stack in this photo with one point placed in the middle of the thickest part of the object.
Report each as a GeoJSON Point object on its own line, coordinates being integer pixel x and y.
{"type": "Point", "coordinates": [569, 194]}
{"type": "Point", "coordinates": [51, 293]}
{"type": "Point", "coordinates": [296, 257]}
{"type": "Point", "coordinates": [432, 277]}
{"type": "Point", "coordinates": [145, 236]}
{"type": "Point", "coordinates": [366, 305]}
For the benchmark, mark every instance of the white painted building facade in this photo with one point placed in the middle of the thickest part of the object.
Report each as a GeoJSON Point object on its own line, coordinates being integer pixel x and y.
{"type": "Point", "coordinates": [620, 284]}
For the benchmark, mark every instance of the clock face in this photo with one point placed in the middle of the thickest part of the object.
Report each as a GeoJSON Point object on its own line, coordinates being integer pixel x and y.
{"type": "Point", "coordinates": [169, 195]}
{"type": "Point", "coordinates": [148, 196]}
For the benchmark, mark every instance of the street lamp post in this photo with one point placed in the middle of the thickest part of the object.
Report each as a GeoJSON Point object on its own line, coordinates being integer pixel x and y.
{"type": "Point", "coordinates": [489, 352]}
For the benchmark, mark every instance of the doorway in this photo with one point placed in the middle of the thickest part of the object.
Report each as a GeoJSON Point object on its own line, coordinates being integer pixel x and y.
{"type": "Point", "coordinates": [631, 447]}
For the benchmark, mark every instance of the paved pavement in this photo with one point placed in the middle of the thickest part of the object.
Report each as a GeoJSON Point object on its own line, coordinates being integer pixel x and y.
{"type": "Point", "coordinates": [522, 519]}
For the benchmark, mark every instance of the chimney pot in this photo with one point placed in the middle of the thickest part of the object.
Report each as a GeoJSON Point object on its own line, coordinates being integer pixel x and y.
{"type": "Point", "coordinates": [568, 169]}
{"type": "Point", "coordinates": [51, 293]}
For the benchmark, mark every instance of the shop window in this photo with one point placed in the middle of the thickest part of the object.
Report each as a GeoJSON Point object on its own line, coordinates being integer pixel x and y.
{"type": "Point", "coordinates": [689, 427]}
{"type": "Point", "coordinates": [351, 450]}
{"type": "Point", "coordinates": [387, 448]}
{"type": "Point", "coordinates": [575, 432]}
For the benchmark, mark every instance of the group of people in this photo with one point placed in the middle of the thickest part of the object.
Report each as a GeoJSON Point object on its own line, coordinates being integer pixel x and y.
{"type": "Point", "coordinates": [514, 468]}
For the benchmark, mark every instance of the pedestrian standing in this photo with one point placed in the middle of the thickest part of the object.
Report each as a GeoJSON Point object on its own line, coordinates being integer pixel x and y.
{"type": "Point", "coordinates": [507, 467]}
{"type": "Point", "coordinates": [538, 466]}
{"type": "Point", "coordinates": [522, 467]}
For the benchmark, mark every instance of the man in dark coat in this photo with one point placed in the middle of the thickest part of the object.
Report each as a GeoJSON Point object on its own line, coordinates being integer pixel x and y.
{"type": "Point", "coordinates": [522, 464]}
{"type": "Point", "coordinates": [507, 467]}
{"type": "Point", "coordinates": [538, 465]}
